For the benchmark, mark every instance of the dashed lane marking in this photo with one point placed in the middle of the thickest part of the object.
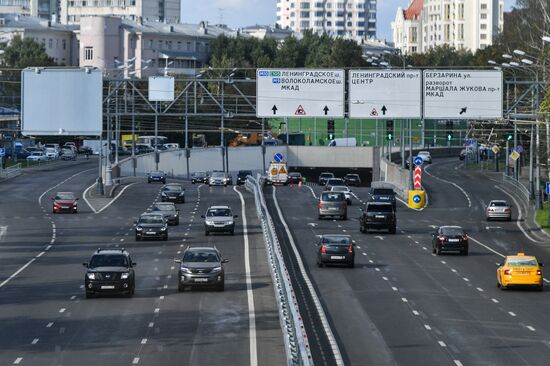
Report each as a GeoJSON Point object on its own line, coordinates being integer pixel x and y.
{"type": "Point", "coordinates": [530, 328]}
{"type": "Point", "coordinates": [495, 301]}
{"type": "Point", "coordinates": [135, 361]}
{"type": "Point", "coordinates": [442, 344]}
{"type": "Point", "coordinates": [18, 360]}
{"type": "Point", "coordinates": [49, 325]}
{"type": "Point", "coordinates": [427, 327]}
{"type": "Point", "coordinates": [35, 341]}
{"type": "Point", "coordinates": [512, 313]}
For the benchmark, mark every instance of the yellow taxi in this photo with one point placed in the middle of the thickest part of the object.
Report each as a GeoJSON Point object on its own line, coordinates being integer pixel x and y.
{"type": "Point", "coordinates": [520, 270]}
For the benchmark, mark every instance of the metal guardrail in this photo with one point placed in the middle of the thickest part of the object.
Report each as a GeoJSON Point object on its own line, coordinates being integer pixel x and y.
{"type": "Point", "coordinates": [295, 338]}
{"type": "Point", "coordinates": [520, 188]}
{"type": "Point", "coordinates": [10, 172]}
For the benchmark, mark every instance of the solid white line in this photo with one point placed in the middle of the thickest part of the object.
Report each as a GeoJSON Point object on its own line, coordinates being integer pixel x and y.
{"type": "Point", "coordinates": [519, 215]}
{"type": "Point", "coordinates": [86, 200]}
{"type": "Point", "coordinates": [57, 185]}
{"type": "Point", "coordinates": [116, 197]}
{"type": "Point", "coordinates": [326, 326]}
{"type": "Point", "coordinates": [487, 247]}
{"type": "Point", "coordinates": [17, 272]}
{"type": "Point", "coordinates": [452, 183]}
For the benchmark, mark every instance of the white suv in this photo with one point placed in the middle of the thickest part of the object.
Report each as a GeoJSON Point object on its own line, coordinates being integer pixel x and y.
{"type": "Point", "coordinates": [426, 156]}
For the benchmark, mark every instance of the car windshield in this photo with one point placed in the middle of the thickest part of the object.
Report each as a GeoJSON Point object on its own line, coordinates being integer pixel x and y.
{"type": "Point", "coordinates": [225, 212]}
{"type": "Point", "coordinates": [245, 173]}
{"type": "Point", "coordinates": [383, 192]}
{"type": "Point", "coordinates": [172, 188]}
{"type": "Point", "coordinates": [218, 175]}
{"type": "Point", "coordinates": [157, 173]}
{"type": "Point", "coordinates": [200, 174]}
{"type": "Point", "coordinates": [326, 175]}
{"type": "Point", "coordinates": [498, 204]}
{"type": "Point", "coordinates": [522, 262]}
{"type": "Point", "coordinates": [64, 196]}
{"type": "Point", "coordinates": [379, 208]}
{"type": "Point", "coordinates": [424, 153]}
{"type": "Point", "coordinates": [201, 257]}
{"type": "Point", "coordinates": [452, 231]}
{"type": "Point", "coordinates": [164, 208]}
{"type": "Point", "coordinates": [36, 154]}
{"type": "Point", "coordinates": [109, 260]}
{"type": "Point", "coordinates": [340, 189]}
{"type": "Point", "coordinates": [336, 181]}
{"type": "Point", "coordinates": [352, 176]}
{"type": "Point", "coordinates": [151, 220]}
{"type": "Point", "coordinates": [335, 240]}
{"type": "Point", "coordinates": [332, 196]}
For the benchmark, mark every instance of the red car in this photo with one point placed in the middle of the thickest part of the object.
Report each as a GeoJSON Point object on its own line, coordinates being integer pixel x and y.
{"type": "Point", "coordinates": [65, 202]}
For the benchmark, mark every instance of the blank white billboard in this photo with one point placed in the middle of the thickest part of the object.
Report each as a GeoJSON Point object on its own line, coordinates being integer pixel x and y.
{"type": "Point", "coordinates": [161, 88]}
{"type": "Point", "coordinates": [61, 102]}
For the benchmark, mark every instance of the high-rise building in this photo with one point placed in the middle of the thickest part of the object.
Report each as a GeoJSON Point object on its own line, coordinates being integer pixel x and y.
{"type": "Point", "coordinates": [462, 24]}
{"type": "Point", "coordinates": [351, 18]}
{"type": "Point", "coordinates": [35, 8]}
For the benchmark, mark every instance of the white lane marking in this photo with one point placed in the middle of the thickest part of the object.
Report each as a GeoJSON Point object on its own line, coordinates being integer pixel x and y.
{"type": "Point", "coordinates": [394, 288]}
{"type": "Point", "coordinates": [49, 325]}
{"type": "Point", "coordinates": [465, 279]}
{"type": "Point", "coordinates": [416, 242]}
{"type": "Point", "coordinates": [424, 248]}
{"type": "Point", "coordinates": [458, 363]}
{"type": "Point", "coordinates": [249, 293]}
{"type": "Point", "coordinates": [326, 326]}
{"type": "Point", "coordinates": [453, 270]}
{"type": "Point", "coordinates": [377, 269]}
{"type": "Point", "coordinates": [364, 253]}
{"type": "Point", "coordinates": [545, 280]}
{"type": "Point", "coordinates": [73, 297]}
{"type": "Point", "coordinates": [312, 192]}
{"type": "Point", "coordinates": [427, 327]}
{"type": "Point", "coordinates": [385, 278]}
{"type": "Point", "coordinates": [40, 254]}
{"type": "Point", "coordinates": [144, 341]}
{"type": "Point", "coordinates": [416, 312]}
{"type": "Point", "coordinates": [404, 299]}
{"type": "Point", "coordinates": [452, 183]}
{"type": "Point", "coordinates": [17, 272]}
{"type": "Point", "coordinates": [520, 214]}
{"type": "Point", "coordinates": [530, 328]}
{"type": "Point", "coordinates": [62, 310]}
{"type": "Point", "coordinates": [370, 260]}
{"type": "Point", "coordinates": [487, 247]}
{"type": "Point", "coordinates": [495, 301]}
{"type": "Point", "coordinates": [3, 230]}
{"type": "Point", "coordinates": [18, 360]}
{"type": "Point", "coordinates": [443, 262]}
{"type": "Point", "coordinates": [161, 298]}
{"type": "Point", "coordinates": [151, 325]}
{"type": "Point", "coordinates": [135, 361]}
{"type": "Point", "coordinates": [379, 237]}
{"type": "Point", "coordinates": [512, 313]}
{"type": "Point", "coordinates": [35, 341]}
{"type": "Point", "coordinates": [157, 310]}
{"type": "Point", "coordinates": [442, 344]}
{"type": "Point", "coordinates": [479, 289]}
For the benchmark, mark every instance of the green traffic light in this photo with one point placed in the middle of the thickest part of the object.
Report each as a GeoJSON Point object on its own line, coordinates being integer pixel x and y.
{"type": "Point", "coordinates": [509, 137]}
{"type": "Point", "coordinates": [390, 136]}
{"type": "Point", "coordinates": [449, 137]}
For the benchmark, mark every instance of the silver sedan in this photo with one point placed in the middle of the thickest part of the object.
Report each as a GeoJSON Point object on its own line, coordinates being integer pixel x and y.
{"type": "Point", "coordinates": [499, 209]}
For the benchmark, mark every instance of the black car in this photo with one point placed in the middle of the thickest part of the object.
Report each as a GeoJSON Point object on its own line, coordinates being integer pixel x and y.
{"type": "Point", "coordinates": [334, 182]}
{"type": "Point", "coordinates": [324, 177]}
{"type": "Point", "coordinates": [172, 192]}
{"type": "Point", "coordinates": [200, 177]}
{"type": "Point", "coordinates": [352, 180]}
{"type": "Point", "coordinates": [450, 239]}
{"type": "Point", "coordinates": [151, 226]}
{"type": "Point", "coordinates": [241, 176]}
{"type": "Point", "coordinates": [378, 216]}
{"type": "Point", "coordinates": [295, 178]}
{"type": "Point", "coordinates": [382, 195]}
{"type": "Point", "coordinates": [168, 210]}
{"type": "Point", "coordinates": [110, 271]}
{"type": "Point", "coordinates": [200, 267]}
{"type": "Point", "coordinates": [337, 249]}
{"type": "Point", "coordinates": [156, 176]}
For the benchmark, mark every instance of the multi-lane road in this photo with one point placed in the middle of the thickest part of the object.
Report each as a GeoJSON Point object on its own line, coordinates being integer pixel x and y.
{"type": "Point", "coordinates": [400, 305]}
{"type": "Point", "coordinates": [46, 319]}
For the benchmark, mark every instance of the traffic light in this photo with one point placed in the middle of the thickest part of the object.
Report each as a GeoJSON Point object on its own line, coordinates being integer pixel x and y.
{"type": "Point", "coordinates": [449, 130]}
{"type": "Point", "coordinates": [509, 136]}
{"type": "Point", "coordinates": [389, 130]}
{"type": "Point", "coordinates": [330, 129]}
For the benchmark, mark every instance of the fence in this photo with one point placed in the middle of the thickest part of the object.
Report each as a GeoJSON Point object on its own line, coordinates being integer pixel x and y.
{"type": "Point", "coordinates": [518, 186]}
{"type": "Point", "coordinates": [10, 172]}
{"type": "Point", "coordinates": [295, 339]}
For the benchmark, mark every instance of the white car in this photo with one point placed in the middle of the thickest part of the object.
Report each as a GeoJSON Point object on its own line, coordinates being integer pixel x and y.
{"type": "Point", "coordinates": [426, 156]}
{"type": "Point", "coordinates": [37, 156]}
{"type": "Point", "coordinates": [345, 190]}
{"type": "Point", "coordinates": [51, 153]}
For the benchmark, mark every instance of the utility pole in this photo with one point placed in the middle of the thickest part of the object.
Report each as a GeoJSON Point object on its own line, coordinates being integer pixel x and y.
{"type": "Point", "coordinates": [156, 135]}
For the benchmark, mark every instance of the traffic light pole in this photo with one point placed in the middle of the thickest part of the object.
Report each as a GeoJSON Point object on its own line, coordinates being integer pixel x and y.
{"type": "Point", "coordinates": [506, 169]}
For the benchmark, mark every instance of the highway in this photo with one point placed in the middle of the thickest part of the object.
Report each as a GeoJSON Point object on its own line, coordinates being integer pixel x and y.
{"type": "Point", "coordinates": [46, 319]}
{"type": "Point", "coordinates": [401, 304]}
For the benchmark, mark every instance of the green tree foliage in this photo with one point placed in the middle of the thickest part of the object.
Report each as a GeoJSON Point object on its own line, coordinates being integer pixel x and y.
{"type": "Point", "coordinates": [25, 52]}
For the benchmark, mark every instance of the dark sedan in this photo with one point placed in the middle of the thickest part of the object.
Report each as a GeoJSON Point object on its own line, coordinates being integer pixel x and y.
{"type": "Point", "coordinates": [200, 267]}
{"type": "Point", "coordinates": [450, 239]}
{"type": "Point", "coordinates": [151, 226]}
{"type": "Point", "coordinates": [241, 176]}
{"type": "Point", "coordinates": [156, 176]}
{"type": "Point", "coordinates": [65, 202]}
{"type": "Point", "coordinates": [295, 178]}
{"type": "Point", "coordinates": [172, 192]}
{"type": "Point", "coordinates": [336, 249]}
{"type": "Point", "coordinates": [199, 177]}
{"type": "Point", "coordinates": [352, 180]}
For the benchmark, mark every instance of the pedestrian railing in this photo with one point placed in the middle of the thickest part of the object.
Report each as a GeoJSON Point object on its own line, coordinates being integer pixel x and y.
{"type": "Point", "coordinates": [11, 171]}
{"type": "Point", "coordinates": [518, 186]}
{"type": "Point", "coordinates": [295, 338]}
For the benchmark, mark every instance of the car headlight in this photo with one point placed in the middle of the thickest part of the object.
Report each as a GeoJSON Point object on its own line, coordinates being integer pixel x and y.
{"type": "Point", "coordinates": [125, 276]}
{"type": "Point", "coordinates": [182, 193]}
{"type": "Point", "coordinates": [163, 194]}
{"type": "Point", "coordinates": [185, 269]}
{"type": "Point", "coordinates": [163, 228]}
{"type": "Point", "coordinates": [139, 228]}
{"type": "Point", "coordinates": [91, 276]}
{"type": "Point", "coordinates": [216, 269]}
{"type": "Point", "coordinates": [175, 215]}
{"type": "Point", "coordinates": [209, 222]}
{"type": "Point", "coordinates": [229, 223]}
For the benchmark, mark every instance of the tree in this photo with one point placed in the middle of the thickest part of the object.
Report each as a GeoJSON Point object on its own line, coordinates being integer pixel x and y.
{"type": "Point", "coordinates": [25, 52]}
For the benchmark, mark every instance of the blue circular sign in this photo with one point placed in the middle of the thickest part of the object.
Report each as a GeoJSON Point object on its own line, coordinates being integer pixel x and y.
{"type": "Point", "coordinates": [519, 148]}
{"type": "Point", "coordinates": [278, 157]}
{"type": "Point", "coordinates": [418, 161]}
{"type": "Point", "coordinates": [417, 198]}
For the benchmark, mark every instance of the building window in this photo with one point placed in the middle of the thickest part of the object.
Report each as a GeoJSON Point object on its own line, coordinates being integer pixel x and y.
{"type": "Point", "coordinates": [64, 44]}
{"type": "Point", "coordinates": [483, 6]}
{"type": "Point", "coordinates": [482, 36]}
{"type": "Point", "coordinates": [50, 43]}
{"type": "Point", "coordinates": [483, 16]}
{"type": "Point", "coordinates": [88, 53]}
{"type": "Point", "coordinates": [483, 26]}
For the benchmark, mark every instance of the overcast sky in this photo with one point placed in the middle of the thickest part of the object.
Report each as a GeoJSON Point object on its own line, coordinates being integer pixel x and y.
{"type": "Point", "coordinates": [240, 13]}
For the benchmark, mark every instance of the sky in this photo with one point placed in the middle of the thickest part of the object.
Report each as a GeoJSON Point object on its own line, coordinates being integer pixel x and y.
{"type": "Point", "coordinates": [241, 13]}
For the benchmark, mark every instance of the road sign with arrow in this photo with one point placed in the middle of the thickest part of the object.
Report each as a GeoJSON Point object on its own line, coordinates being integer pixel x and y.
{"type": "Point", "coordinates": [274, 109]}
{"type": "Point", "coordinates": [393, 93]}
{"type": "Point", "coordinates": [418, 178]}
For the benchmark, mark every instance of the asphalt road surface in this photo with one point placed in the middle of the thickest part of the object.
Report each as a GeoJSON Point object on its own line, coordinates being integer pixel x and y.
{"type": "Point", "coordinates": [46, 319]}
{"type": "Point", "coordinates": [403, 305]}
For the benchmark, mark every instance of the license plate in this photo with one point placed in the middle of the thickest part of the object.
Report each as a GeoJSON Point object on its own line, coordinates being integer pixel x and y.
{"type": "Point", "coordinates": [337, 257]}
{"type": "Point", "coordinates": [333, 208]}
{"type": "Point", "coordinates": [384, 198]}
{"type": "Point", "coordinates": [150, 233]}
{"type": "Point", "coordinates": [201, 279]}
{"type": "Point", "coordinates": [380, 217]}
{"type": "Point", "coordinates": [107, 287]}
{"type": "Point", "coordinates": [521, 273]}
{"type": "Point", "coordinates": [64, 206]}
{"type": "Point", "coordinates": [454, 240]}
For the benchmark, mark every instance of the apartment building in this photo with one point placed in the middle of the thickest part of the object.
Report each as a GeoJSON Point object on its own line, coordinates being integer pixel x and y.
{"type": "Point", "coordinates": [462, 24]}
{"type": "Point", "coordinates": [349, 18]}
{"type": "Point", "coordinates": [35, 8]}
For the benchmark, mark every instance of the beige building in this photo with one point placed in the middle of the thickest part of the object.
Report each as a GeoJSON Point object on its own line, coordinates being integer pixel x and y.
{"type": "Point", "coordinates": [351, 18]}
{"type": "Point", "coordinates": [35, 8]}
{"type": "Point", "coordinates": [462, 24]}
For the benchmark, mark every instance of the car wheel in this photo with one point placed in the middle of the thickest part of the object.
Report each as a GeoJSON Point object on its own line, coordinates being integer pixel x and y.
{"type": "Point", "coordinates": [180, 287]}
{"type": "Point", "coordinates": [393, 230]}
{"type": "Point", "coordinates": [133, 290]}
{"type": "Point", "coordinates": [138, 238]}
{"type": "Point", "coordinates": [502, 287]}
{"type": "Point", "coordinates": [540, 288]}
{"type": "Point", "coordinates": [89, 295]}
{"type": "Point", "coordinates": [433, 250]}
{"type": "Point", "coordinates": [362, 228]}
{"type": "Point", "coordinates": [232, 232]}
{"type": "Point", "coordinates": [221, 287]}
{"type": "Point", "coordinates": [351, 264]}
{"type": "Point", "coordinates": [165, 237]}
{"type": "Point", "coordinates": [177, 222]}
{"type": "Point", "coordinates": [320, 264]}
{"type": "Point", "coordinates": [206, 232]}
{"type": "Point", "coordinates": [437, 250]}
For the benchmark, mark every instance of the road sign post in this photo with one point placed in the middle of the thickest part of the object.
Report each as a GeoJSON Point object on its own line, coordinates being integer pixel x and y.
{"type": "Point", "coordinates": [300, 93]}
